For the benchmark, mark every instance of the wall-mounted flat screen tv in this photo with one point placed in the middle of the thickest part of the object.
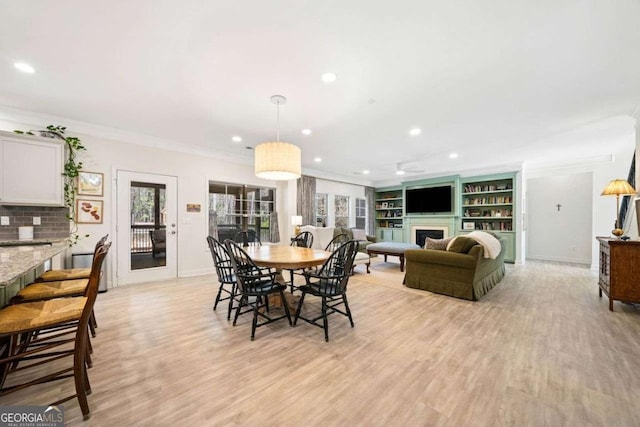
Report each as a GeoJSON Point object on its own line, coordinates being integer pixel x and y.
{"type": "Point", "coordinates": [429, 200]}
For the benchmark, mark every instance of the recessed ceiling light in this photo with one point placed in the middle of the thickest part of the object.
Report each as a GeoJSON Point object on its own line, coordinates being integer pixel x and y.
{"type": "Point", "coordinates": [365, 172]}
{"type": "Point", "coordinates": [328, 77]}
{"type": "Point", "coordinates": [399, 172]}
{"type": "Point", "coordinates": [306, 131]}
{"type": "Point", "coordinates": [236, 139]}
{"type": "Point", "coordinates": [453, 155]}
{"type": "Point", "coordinates": [415, 131]}
{"type": "Point", "coordinates": [317, 159]}
{"type": "Point", "coordinates": [24, 67]}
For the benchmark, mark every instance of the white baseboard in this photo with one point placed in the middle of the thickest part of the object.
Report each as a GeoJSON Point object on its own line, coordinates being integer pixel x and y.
{"type": "Point", "coordinates": [198, 272]}
{"type": "Point", "coordinates": [584, 262]}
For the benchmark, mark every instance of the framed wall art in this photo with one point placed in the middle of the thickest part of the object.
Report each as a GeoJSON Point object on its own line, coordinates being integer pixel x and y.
{"type": "Point", "coordinates": [90, 184]}
{"type": "Point", "coordinates": [89, 211]}
{"type": "Point", "coordinates": [193, 207]}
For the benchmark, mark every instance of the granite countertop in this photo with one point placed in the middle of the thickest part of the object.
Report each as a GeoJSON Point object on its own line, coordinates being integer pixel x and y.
{"type": "Point", "coordinates": [32, 242]}
{"type": "Point", "coordinates": [17, 260]}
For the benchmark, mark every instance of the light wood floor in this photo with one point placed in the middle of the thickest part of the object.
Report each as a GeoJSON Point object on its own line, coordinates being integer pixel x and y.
{"type": "Point", "coordinates": [540, 349]}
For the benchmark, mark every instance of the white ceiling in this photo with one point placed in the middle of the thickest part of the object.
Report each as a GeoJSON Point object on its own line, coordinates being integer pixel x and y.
{"type": "Point", "coordinates": [491, 80]}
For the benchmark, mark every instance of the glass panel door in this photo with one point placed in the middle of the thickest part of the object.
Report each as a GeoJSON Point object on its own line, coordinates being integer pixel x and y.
{"type": "Point", "coordinates": [148, 225]}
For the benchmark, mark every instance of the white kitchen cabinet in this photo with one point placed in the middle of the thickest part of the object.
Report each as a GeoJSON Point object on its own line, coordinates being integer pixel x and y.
{"type": "Point", "coordinates": [31, 170]}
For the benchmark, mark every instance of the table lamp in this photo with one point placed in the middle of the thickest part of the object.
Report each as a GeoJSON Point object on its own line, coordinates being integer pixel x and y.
{"type": "Point", "coordinates": [618, 187]}
{"type": "Point", "coordinates": [296, 221]}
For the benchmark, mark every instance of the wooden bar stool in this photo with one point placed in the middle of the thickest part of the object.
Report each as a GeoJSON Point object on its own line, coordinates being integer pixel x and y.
{"type": "Point", "coordinates": [49, 321]}
{"type": "Point", "coordinates": [70, 273]}
{"type": "Point", "coordinates": [42, 291]}
{"type": "Point", "coordinates": [70, 282]}
{"type": "Point", "coordinates": [47, 290]}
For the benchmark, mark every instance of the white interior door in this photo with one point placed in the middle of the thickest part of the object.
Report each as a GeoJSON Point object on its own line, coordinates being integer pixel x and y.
{"type": "Point", "coordinates": [146, 227]}
{"type": "Point", "coordinates": [559, 218]}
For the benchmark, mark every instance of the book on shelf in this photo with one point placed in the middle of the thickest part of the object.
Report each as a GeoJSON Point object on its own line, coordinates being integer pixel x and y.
{"type": "Point", "coordinates": [477, 188]}
{"type": "Point", "coordinates": [489, 200]}
{"type": "Point", "coordinates": [488, 226]}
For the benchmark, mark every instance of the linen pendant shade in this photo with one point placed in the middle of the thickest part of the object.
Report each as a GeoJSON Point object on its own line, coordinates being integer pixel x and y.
{"type": "Point", "coordinates": [278, 161]}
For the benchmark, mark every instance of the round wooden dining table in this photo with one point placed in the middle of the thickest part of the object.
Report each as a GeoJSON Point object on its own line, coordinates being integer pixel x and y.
{"type": "Point", "coordinates": [285, 257]}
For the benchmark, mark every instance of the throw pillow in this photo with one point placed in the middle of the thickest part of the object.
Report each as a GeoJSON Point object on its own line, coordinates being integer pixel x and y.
{"type": "Point", "coordinates": [437, 244]}
{"type": "Point", "coordinates": [461, 244]}
{"type": "Point", "coordinates": [359, 234]}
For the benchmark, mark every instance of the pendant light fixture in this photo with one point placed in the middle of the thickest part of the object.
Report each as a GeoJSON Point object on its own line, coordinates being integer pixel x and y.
{"type": "Point", "coordinates": [278, 161]}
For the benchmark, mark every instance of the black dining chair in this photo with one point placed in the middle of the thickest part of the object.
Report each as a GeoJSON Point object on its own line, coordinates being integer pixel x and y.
{"type": "Point", "coordinates": [302, 240]}
{"type": "Point", "coordinates": [255, 285]}
{"type": "Point", "coordinates": [247, 238]}
{"type": "Point", "coordinates": [336, 242]}
{"type": "Point", "coordinates": [330, 284]}
{"type": "Point", "coordinates": [225, 273]}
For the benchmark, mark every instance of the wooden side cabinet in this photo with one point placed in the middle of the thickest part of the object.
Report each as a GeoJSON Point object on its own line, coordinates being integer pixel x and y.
{"type": "Point", "coordinates": [619, 270]}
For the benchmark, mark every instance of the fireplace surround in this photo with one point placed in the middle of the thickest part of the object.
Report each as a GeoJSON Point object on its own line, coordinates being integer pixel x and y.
{"type": "Point", "coordinates": [420, 232]}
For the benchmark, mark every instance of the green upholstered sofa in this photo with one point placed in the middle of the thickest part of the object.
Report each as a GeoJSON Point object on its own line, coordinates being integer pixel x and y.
{"type": "Point", "coordinates": [468, 276]}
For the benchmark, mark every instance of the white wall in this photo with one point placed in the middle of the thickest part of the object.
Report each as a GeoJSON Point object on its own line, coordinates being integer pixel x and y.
{"type": "Point", "coordinates": [334, 188]}
{"type": "Point", "coordinates": [560, 218]}
{"type": "Point", "coordinates": [193, 173]}
{"type": "Point", "coordinates": [326, 186]}
{"type": "Point", "coordinates": [522, 222]}
{"type": "Point", "coordinates": [604, 168]}
{"type": "Point", "coordinates": [289, 208]}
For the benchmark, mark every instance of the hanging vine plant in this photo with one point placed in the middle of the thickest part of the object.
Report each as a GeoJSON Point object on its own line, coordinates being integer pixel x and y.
{"type": "Point", "coordinates": [72, 168]}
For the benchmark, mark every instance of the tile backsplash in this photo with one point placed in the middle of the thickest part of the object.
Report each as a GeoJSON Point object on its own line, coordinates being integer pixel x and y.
{"type": "Point", "coordinates": [54, 223]}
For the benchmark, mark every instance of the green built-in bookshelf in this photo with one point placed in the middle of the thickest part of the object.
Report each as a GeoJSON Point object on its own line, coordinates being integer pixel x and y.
{"type": "Point", "coordinates": [389, 210]}
{"type": "Point", "coordinates": [488, 203]}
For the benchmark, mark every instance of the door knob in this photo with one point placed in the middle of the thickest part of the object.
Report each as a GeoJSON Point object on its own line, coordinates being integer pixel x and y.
{"type": "Point", "coordinates": [173, 232]}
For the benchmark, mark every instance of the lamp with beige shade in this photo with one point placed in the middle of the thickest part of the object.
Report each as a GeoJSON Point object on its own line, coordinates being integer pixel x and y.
{"type": "Point", "coordinates": [618, 187]}
{"type": "Point", "coordinates": [296, 221]}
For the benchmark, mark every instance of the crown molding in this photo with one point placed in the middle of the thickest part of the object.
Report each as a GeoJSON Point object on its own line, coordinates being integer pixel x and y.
{"type": "Point", "coordinates": [337, 178]}
{"type": "Point", "coordinates": [584, 161]}
{"type": "Point", "coordinates": [39, 121]}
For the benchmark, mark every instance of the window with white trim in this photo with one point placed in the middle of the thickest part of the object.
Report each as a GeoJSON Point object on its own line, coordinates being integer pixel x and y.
{"type": "Point", "coordinates": [361, 213]}
{"type": "Point", "coordinates": [237, 207]}
{"type": "Point", "coordinates": [321, 209]}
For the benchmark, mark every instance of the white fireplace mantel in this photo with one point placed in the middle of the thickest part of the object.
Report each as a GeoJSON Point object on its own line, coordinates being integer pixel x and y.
{"type": "Point", "coordinates": [414, 228]}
